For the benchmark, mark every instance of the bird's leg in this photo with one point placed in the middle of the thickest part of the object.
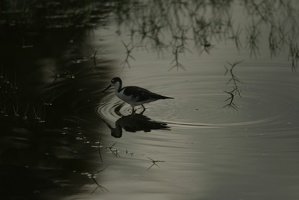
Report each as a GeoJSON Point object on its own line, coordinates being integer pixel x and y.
{"type": "Point", "coordinates": [143, 108]}
{"type": "Point", "coordinates": [133, 111]}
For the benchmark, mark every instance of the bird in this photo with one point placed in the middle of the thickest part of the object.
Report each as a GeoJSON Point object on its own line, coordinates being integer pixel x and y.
{"type": "Point", "coordinates": [134, 95]}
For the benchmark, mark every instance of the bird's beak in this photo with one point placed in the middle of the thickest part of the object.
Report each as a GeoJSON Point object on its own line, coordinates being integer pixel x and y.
{"type": "Point", "coordinates": [107, 88]}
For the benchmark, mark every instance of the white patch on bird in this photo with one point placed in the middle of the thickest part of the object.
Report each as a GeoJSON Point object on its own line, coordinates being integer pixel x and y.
{"type": "Point", "coordinates": [117, 86]}
{"type": "Point", "coordinates": [129, 99]}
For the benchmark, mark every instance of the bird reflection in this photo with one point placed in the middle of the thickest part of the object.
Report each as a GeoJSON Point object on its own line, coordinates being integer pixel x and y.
{"type": "Point", "coordinates": [134, 123]}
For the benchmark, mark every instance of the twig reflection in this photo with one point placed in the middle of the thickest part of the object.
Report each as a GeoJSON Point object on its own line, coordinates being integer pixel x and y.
{"type": "Point", "coordinates": [294, 54]}
{"type": "Point", "coordinates": [236, 37]}
{"type": "Point", "coordinates": [205, 23]}
{"type": "Point", "coordinates": [177, 64]}
{"type": "Point", "coordinates": [253, 41]}
{"type": "Point", "coordinates": [154, 162]}
{"type": "Point", "coordinates": [231, 99]}
{"type": "Point", "coordinates": [235, 80]}
{"type": "Point", "coordinates": [113, 150]}
{"type": "Point", "coordinates": [93, 177]}
{"type": "Point", "coordinates": [128, 54]}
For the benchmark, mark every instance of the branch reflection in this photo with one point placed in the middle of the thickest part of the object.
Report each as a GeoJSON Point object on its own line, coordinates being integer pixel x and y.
{"type": "Point", "coordinates": [169, 25]}
{"type": "Point", "coordinates": [235, 81]}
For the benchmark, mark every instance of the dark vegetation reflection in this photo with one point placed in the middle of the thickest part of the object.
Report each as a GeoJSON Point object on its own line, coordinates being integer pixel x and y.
{"type": "Point", "coordinates": [50, 74]}
{"type": "Point", "coordinates": [174, 26]}
{"type": "Point", "coordinates": [49, 77]}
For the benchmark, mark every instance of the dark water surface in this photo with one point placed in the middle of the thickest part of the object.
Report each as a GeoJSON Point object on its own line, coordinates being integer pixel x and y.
{"type": "Point", "coordinates": [231, 131]}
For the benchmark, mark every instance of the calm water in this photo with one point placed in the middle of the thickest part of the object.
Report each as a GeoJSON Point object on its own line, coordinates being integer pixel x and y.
{"type": "Point", "coordinates": [231, 131]}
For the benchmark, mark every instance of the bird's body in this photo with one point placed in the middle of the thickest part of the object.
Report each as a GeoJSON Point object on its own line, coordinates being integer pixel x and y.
{"type": "Point", "coordinates": [134, 95]}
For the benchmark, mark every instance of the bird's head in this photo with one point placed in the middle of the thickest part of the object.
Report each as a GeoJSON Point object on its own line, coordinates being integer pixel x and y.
{"type": "Point", "coordinates": [116, 82]}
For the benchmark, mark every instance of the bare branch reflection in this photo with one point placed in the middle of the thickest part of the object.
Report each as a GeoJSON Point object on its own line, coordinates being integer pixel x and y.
{"type": "Point", "coordinates": [129, 49]}
{"type": "Point", "coordinates": [235, 81]}
{"type": "Point", "coordinates": [154, 163]}
{"type": "Point", "coordinates": [169, 25]}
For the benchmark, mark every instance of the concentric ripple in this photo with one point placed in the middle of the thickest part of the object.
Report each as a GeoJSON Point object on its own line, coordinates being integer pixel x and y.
{"type": "Point", "coordinates": [111, 108]}
{"type": "Point", "coordinates": [202, 104]}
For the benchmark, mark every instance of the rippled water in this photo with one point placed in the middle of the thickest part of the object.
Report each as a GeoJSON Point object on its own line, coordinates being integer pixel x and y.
{"type": "Point", "coordinates": [229, 133]}
{"type": "Point", "coordinates": [211, 150]}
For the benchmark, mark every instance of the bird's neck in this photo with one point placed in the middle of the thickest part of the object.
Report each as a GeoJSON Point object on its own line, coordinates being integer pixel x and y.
{"type": "Point", "coordinates": [117, 87]}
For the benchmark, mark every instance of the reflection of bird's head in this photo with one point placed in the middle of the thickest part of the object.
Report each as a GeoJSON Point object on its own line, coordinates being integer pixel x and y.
{"type": "Point", "coordinates": [116, 132]}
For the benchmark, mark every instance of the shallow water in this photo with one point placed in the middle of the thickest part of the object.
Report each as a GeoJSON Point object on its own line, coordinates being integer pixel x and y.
{"type": "Point", "coordinates": [61, 138]}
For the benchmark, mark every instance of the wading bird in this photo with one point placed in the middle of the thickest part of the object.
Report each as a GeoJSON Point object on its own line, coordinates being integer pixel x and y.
{"type": "Point", "coordinates": [134, 95]}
